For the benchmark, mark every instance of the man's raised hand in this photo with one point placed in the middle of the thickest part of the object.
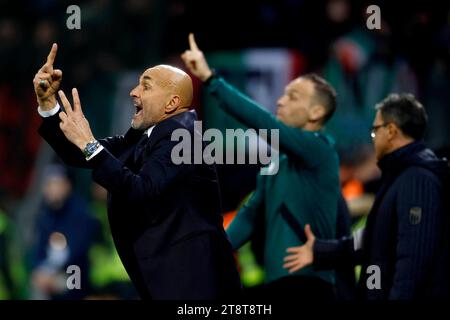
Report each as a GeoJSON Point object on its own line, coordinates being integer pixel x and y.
{"type": "Point", "coordinates": [73, 123]}
{"type": "Point", "coordinates": [195, 60]}
{"type": "Point", "coordinates": [47, 81]}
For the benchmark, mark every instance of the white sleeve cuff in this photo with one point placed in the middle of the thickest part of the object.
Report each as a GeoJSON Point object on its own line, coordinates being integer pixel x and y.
{"type": "Point", "coordinates": [358, 239]}
{"type": "Point", "coordinates": [49, 113]}
{"type": "Point", "coordinates": [95, 153]}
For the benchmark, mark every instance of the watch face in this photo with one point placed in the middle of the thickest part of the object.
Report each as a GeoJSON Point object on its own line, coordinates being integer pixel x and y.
{"type": "Point", "coordinates": [90, 148]}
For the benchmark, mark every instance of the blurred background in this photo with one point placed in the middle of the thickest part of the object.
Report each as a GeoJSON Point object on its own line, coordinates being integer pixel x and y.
{"type": "Point", "coordinates": [52, 216]}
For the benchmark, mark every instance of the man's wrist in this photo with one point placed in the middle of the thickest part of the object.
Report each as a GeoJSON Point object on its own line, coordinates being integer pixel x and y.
{"type": "Point", "coordinates": [83, 143]}
{"type": "Point", "coordinates": [91, 148]}
{"type": "Point", "coordinates": [212, 75]}
{"type": "Point", "coordinates": [49, 113]}
{"type": "Point", "coordinates": [207, 75]}
{"type": "Point", "coordinates": [47, 104]}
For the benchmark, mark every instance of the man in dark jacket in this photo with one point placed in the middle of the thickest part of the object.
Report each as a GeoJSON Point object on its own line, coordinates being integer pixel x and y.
{"type": "Point", "coordinates": [165, 218]}
{"type": "Point", "coordinates": [65, 231]}
{"type": "Point", "coordinates": [404, 250]}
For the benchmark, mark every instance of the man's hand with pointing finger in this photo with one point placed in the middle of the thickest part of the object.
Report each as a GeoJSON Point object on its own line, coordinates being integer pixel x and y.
{"type": "Point", "coordinates": [47, 81]}
{"type": "Point", "coordinates": [195, 60]}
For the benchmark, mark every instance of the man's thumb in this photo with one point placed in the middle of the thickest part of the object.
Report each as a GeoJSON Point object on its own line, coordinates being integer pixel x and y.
{"type": "Point", "coordinates": [56, 75]}
{"type": "Point", "coordinates": [308, 233]}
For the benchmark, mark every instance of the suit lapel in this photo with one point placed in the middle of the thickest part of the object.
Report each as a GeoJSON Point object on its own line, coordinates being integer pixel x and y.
{"type": "Point", "coordinates": [140, 142]}
{"type": "Point", "coordinates": [131, 137]}
{"type": "Point", "coordinates": [140, 147]}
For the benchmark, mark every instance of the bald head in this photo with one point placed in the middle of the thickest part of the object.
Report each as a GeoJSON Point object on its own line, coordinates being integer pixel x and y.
{"type": "Point", "coordinates": [163, 91]}
{"type": "Point", "coordinates": [174, 80]}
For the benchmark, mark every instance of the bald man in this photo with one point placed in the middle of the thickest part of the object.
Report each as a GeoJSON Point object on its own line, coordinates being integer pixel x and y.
{"type": "Point", "coordinates": [165, 218]}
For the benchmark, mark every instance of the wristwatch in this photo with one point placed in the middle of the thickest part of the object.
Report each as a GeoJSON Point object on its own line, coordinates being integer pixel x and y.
{"type": "Point", "coordinates": [90, 148]}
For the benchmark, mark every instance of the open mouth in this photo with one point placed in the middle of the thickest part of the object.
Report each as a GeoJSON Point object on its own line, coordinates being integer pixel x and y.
{"type": "Point", "coordinates": [138, 109]}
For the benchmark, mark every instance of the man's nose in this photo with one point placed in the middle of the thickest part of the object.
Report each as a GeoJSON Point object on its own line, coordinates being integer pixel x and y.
{"type": "Point", "coordinates": [279, 103]}
{"type": "Point", "coordinates": [133, 93]}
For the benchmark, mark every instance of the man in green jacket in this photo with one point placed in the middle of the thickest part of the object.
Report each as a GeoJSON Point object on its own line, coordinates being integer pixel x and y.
{"type": "Point", "coordinates": [306, 187]}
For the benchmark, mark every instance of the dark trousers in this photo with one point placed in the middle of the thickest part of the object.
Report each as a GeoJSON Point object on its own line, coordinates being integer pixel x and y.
{"type": "Point", "coordinates": [299, 288]}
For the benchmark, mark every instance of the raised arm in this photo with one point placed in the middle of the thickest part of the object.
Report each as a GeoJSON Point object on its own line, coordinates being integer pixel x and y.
{"type": "Point", "coordinates": [69, 153]}
{"type": "Point", "coordinates": [308, 146]}
{"type": "Point", "coordinates": [68, 132]}
{"type": "Point", "coordinates": [158, 172]}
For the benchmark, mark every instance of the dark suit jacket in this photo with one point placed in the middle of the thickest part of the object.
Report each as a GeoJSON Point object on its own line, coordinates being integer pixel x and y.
{"type": "Point", "coordinates": [407, 231]}
{"type": "Point", "coordinates": [165, 219]}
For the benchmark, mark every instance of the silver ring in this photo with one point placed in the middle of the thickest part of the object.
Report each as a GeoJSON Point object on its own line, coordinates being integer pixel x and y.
{"type": "Point", "coordinates": [42, 83]}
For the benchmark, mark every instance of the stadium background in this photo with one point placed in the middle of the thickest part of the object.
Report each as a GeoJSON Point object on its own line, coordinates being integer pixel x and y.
{"type": "Point", "coordinates": [257, 45]}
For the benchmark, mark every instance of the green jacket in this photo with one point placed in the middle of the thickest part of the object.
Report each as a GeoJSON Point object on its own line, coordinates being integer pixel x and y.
{"type": "Point", "coordinates": [307, 183]}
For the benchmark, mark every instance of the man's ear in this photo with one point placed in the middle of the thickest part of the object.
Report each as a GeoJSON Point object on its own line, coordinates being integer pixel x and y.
{"type": "Point", "coordinates": [173, 104]}
{"type": "Point", "coordinates": [316, 113]}
{"type": "Point", "coordinates": [393, 131]}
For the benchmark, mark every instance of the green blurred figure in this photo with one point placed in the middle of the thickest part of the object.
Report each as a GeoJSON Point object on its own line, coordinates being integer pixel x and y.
{"type": "Point", "coordinates": [12, 269]}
